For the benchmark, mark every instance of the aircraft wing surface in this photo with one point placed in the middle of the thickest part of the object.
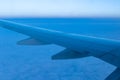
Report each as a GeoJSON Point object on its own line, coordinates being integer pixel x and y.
{"type": "Point", "coordinates": [77, 46]}
{"type": "Point", "coordinates": [74, 44]}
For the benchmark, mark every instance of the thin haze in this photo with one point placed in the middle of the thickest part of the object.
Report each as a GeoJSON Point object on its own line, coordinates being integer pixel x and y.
{"type": "Point", "coordinates": [59, 8]}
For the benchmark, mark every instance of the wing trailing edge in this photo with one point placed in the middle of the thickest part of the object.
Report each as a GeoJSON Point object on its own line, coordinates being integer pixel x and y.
{"type": "Point", "coordinates": [69, 54]}
{"type": "Point", "coordinates": [31, 41]}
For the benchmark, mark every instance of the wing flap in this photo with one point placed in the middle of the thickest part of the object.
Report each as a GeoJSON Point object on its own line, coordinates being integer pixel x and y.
{"type": "Point", "coordinates": [31, 41]}
{"type": "Point", "coordinates": [69, 54]}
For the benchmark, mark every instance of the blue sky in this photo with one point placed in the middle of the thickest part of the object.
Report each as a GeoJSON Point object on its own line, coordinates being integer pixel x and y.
{"type": "Point", "coordinates": [59, 8]}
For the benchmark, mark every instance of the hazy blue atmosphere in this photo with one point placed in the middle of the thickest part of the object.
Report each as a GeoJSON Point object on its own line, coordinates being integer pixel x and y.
{"type": "Point", "coordinates": [60, 8]}
{"type": "Point", "coordinates": [34, 62]}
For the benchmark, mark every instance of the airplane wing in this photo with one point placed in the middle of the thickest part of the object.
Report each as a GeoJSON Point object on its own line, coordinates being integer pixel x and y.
{"type": "Point", "coordinates": [77, 46]}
